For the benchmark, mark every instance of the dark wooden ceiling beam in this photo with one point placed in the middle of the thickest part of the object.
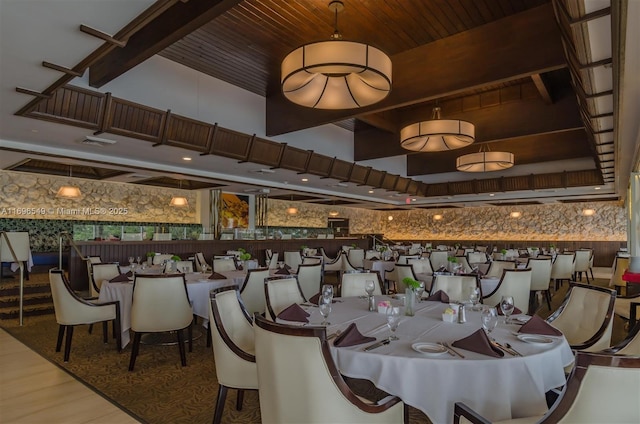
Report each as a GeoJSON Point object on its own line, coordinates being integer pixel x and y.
{"type": "Point", "coordinates": [537, 148]}
{"type": "Point", "coordinates": [172, 25]}
{"type": "Point", "coordinates": [473, 59]}
{"type": "Point", "coordinates": [505, 121]}
{"type": "Point", "coordinates": [543, 89]}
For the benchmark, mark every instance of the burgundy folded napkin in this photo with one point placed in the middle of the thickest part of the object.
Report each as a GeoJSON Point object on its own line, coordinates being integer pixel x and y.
{"type": "Point", "coordinates": [287, 267]}
{"type": "Point", "coordinates": [438, 296]}
{"type": "Point", "coordinates": [351, 337]}
{"type": "Point", "coordinates": [478, 342]}
{"type": "Point", "coordinates": [216, 276]}
{"type": "Point", "coordinates": [515, 310]}
{"type": "Point", "coordinates": [122, 278]}
{"type": "Point", "coordinates": [537, 325]}
{"type": "Point", "coordinates": [283, 271]}
{"type": "Point", "coordinates": [129, 274]}
{"type": "Point", "coordinates": [315, 299]}
{"type": "Point", "coordinates": [294, 313]}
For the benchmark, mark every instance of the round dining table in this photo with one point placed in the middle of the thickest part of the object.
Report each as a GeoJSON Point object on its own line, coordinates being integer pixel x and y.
{"type": "Point", "coordinates": [498, 388]}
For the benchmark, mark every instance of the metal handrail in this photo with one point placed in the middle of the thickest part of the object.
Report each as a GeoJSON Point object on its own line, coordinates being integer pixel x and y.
{"type": "Point", "coordinates": [21, 266]}
{"type": "Point", "coordinates": [67, 236]}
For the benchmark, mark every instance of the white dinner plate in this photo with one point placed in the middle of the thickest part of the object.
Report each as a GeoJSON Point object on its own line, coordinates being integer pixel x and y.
{"type": "Point", "coordinates": [534, 339]}
{"type": "Point", "coordinates": [431, 349]}
{"type": "Point", "coordinates": [522, 319]}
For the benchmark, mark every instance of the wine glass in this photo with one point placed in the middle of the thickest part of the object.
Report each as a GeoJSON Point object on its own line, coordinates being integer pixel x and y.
{"type": "Point", "coordinates": [324, 305]}
{"type": "Point", "coordinates": [369, 287]}
{"type": "Point", "coordinates": [420, 291]}
{"type": "Point", "coordinates": [474, 298]}
{"type": "Point", "coordinates": [327, 291]}
{"type": "Point", "coordinates": [130, 261]}
{"type": "Point", "coordinates": [507, 306]}
{"type": "Point", "coordinates": [393, 319]}
{"type": "Point", "coordinates": [138, 260]}
{"type": "Point", "coordinates": [489, 318]}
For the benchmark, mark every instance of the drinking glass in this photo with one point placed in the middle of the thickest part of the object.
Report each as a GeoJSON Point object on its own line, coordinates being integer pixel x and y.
{"type": "Point", "coordinates": [324, 305]}
{"type": "Point", "coordinates": [369, 287]}
{"type": "Point", "coordinates": [507, 306]}
{"type": "Point", "coordinates": [474, 298]}
{"type": "Point", "coordinates": [327, 291]}
{"type": "Point", "coordinates": [393, 319]}
{"type": "Point", "coordinates": [420, 291]}
{"type": "Point", "coordinates": [489, 318]}
{"type": "Point", "coordinates": [130, 260]}
{"type": "Point", "coordinates": [138, 260]}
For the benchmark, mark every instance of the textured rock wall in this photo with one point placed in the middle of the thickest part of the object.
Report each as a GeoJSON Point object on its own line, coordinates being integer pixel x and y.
{"type": "Point", "coordinates": [24, 195]}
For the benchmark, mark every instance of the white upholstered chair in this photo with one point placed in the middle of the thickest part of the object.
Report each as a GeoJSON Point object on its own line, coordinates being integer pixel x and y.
{"type": "Point", "coordinates": [333, 265]}
{"type": "Point", "coordinates": [310, 278]}
{"type": "Point", "coordinates": [422, 269]}
{"type": "Point", "coordinates": [462, 261]}
{"type": "Point", "coordinates": [586, 317]}
{"type": "Point", "coordinates": [280, 293]}
{"type": "Point", "coordinates": [233, 347]}
{"type": "Point", "coordinates": [293, 259]}
{"type": "Point", "coordinates": [476, 258]}
{"type": "Point", "coordinates": [601, 389]}
{"type": "Point", "coordinates": [540, 277]}
{"type": "Point", "coordinates": [160, 304]}
{"type": "Point", "coordinates": [101, 272]}
{"type": "Point", "coordinates": [497, 266]}
{"type": "Point", "coordinates": [620, 265]}
{"type": "Point", "coordinates": [403, 271]}
{"type": "Point", "coordinates": [403, 259]}
{"type": "Point", "coordinates": [630, 345]}
{"type": "Point", "coordinates": [582, 264]}
{"type": "Point", "coordinates": [300, 383]}
{"type": "Point", "coordinates": [224, 264]}
{"type": "Point", "coordinates": [200, 261]}
{"type": "Point", "coordinates": [457, 287]}
{"type": "Point", "coordinates": [514, 282]}
{"type": "Point", "coordinates": [439, 258]}
{"type": "Point", "coordinates": [252, 290]}
{"type": "Point", "coordinates": [90, 260]}
{"type": "Point", "coordinates": [562, 268]}
{"type": "Point", "coordinates": [356, 257]}
{"type": "Point", "coordinates": [71, 310]}
{"type": "Point", "coordinates": [353, 284]}
{"type": "Point", "coordinates": [182, 265]}
{"type": "Point", "coordinates": [159, 259]}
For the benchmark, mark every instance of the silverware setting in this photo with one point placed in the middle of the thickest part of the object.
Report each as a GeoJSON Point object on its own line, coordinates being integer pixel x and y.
{"type": "Point", "coordinates": [334, 335]}
{"type": "Point", "coordinates": [450, 349]}
{"type": "Point", "coordinates": [377, 345]}
{"type": "Point", "coordinates": [505, 348]}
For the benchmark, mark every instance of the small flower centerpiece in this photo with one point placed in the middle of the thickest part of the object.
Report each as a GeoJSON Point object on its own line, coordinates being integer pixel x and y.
{"type": "Point", "coordinates": [244, 258]}
{"type": "Point", "coordinates": [504, 253]}
{"type": "Point", "coordinates": [410, 295]}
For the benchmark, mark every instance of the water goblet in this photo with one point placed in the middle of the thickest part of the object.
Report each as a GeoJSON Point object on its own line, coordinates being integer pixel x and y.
{"type": "Point", "coordinates": [393, 319]}
{"type": "Point", "coordinates": [507, 306]}
{"type": "Point", "coordinates": [369, 287]}
{"type": "Point", "coordinates": [489, 319]}
{"type": "Point", "coordinates": [138, 259]}
{"type": "Point", "coordinates": [474, 298]}
{"type": "Point", "coordinates": [420, 291]}
{"type": "Point", "coordinates": [327, 291]}
{"type": "Point", "coordinates": [324, 305]}
{"type": "Point", "coordinates": [130, 260]}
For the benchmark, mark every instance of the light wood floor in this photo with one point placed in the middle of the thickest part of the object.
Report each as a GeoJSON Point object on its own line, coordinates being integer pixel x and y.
{"type": "Point", "coordinates": [33, 390]}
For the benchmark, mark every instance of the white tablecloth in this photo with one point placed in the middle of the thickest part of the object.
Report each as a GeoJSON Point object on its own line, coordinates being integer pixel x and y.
{"type": "Point", "coordinates": [14, 265]}
{"type": "Point", "coordinates": [381, 266]}
{"type": "Point", "coordinates": [498, 388]}
{"type": "Point", "coordinates": [198, 287]}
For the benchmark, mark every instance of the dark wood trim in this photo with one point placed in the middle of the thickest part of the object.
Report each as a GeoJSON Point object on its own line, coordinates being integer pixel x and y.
{"type": "Point", "coordinates": [217, 318]}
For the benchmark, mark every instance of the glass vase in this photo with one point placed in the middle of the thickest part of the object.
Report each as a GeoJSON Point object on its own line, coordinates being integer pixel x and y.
{"type": "Point", "coordinates": [409, 302]}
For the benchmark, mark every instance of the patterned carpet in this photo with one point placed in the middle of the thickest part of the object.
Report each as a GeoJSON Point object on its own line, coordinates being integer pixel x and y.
{"type": "Point", "coordinates": [160, 390]}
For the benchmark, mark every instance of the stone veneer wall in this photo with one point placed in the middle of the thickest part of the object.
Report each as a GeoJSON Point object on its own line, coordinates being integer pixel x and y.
{"type": "Point", "coordinates": [24, 195]}
{"type": "Point", "coordinates": [558, 221]}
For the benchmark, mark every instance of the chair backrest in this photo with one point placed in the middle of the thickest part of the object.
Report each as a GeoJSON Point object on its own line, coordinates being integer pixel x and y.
{"type": "Point", "coordinates": [232, 340]}
{"type": "Point", "coordinates": [582, 260]}
{"type": "Point", "coordinates": [69, 308]}
{"type": "Point", "coordinates": [482, 249]}
{"type": "Point", "coordinates": [457, 287]}
{"type": "Point", "coordinates": [403, 271]}
{"type": "Point", "coordinates": [326, 257]}
{"type": "Point", "coordinates": [496, 268]}
{"type": "Point", "coordinates": [369, 254]}
{"type": "Point", "coordinates": [356, 257]}
{"type": "Point", "coordinates": [347, 266]}
{"type": "Point", "coordinates": [160, 303]}
{"type": "Point", "coordinates": [540, 273]}
{"type": "Point", "coordinates": [224, 264]}
{"type": "Point", "coordinates": [420, 265]}
{"type": "Point", "coordinates": [90, 260]}
{"type": "Point", "coordinates": [184, 266]}
{"type": "Point", "coordinates": [563, 266]}
{"type": "Point", "coordinates": [334, 264]}
{"type": "Point", "coordinates": [200, 261]}
{"type": "Point", "coordinates": [100, 273]}
{"type": "Point", "coordinates": [630, 345]}
{"type": "Point", "coordinates": [402, 259]}
{"type": "Point", "coordinates": [353, 284]}
{"type": "Point", "coordinates": [272, 263]}
{"type": "Point", "coordinates": [311, 260]}
{"type": "Point", "coordinates": [293, 259]}
{"type": "Point", "coordinates": [300, 383]}
{"type": "Point", "coordinates": [438, 259]}
{"type": "Point", "coordinates": [462, 261]}
{"type": "Point", "coordinates": [280, 293]}
{"type": "Point", "coordinates": [94, 259]}
{"type": "Point", "coordinates": [159, 259]}
{"type": "Point", "coordinates": [475, 258]}
{"type": "Point", "coordinates": [601, 389]}
{"type": "Point", "coordinates": [310, 278]}
{"type": "Point", "coordinates": [252, 290]}
{"type": "Point", "coordinates": [586, 317]}
{"type": "Point", "coordinates": [515, 283]}
{"type": "Point", "coordinates": [620, 265]}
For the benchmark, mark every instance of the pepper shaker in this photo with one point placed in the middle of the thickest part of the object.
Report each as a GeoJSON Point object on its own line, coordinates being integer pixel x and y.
{"type": "Point", "coordinates": [462, 317]}
{"type": "Point", "coordinates": [372, 304]}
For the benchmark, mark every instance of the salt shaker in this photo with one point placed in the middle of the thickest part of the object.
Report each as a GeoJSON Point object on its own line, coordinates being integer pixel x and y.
{"type": "Point", "coordinates": [372, 304]}
{"type": "Point", "coordinates": [462, 317]}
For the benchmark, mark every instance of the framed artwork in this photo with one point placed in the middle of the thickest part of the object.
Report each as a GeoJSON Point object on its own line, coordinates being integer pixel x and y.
{"type": "Point", "coordinates": [235, 211]}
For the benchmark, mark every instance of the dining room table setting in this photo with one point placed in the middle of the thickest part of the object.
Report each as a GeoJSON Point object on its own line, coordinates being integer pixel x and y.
{"type": "Point", "coordinates": [446, 352]}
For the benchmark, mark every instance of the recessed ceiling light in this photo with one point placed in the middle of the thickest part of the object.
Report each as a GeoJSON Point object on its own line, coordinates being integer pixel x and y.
{"type": "Point", "coordinates": [187, 158]}
{"type": "Point", "coordinates": [305, 179]}
{"type": "Point", "coordinates": [491, 194]}
{"type": "Point", "coordinates": [596, 188]}
{"type": "Point", "coordinates": [370, 191]}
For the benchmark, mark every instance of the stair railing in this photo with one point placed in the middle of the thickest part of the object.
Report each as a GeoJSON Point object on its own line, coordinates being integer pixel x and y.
{"type": "Point", "coordinates": [64, 235]}
{"type": "Point", "coordinates": [19, 259]}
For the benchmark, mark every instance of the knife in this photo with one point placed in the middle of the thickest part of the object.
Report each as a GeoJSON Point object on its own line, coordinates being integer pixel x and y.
{"type": "Point", "coordinates": [505, 349]}
{"type": "Point", "coordinates": [376, 345]}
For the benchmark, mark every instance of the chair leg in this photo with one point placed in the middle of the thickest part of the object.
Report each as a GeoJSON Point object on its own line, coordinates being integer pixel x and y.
{"type": "Point", "coordinates": [239, 399]}
{"type": "Point", "coordinates": [67, 343]}
{"type": "Point", "coordinates": [222, 396]}
{"type": "Point", "coordinates": [190, 335]}
{"type": "Point", "coordinates": [586, 273]}
{"type": "Point", "coordinates": [105, 332]}
{"type": "Point", "coordinates": [61, 329]}
{"type": "Point", "coordinates": [183, 355]}
{"type": "Point", "coordinates": [90, 328]}
{"type": "Point", "coordinates": [209, 341]}
{"type": "Point", "coordinates": [134, 350]}
{"type": "Point", "coordinates": [547, 294]}
{"type": "Point", "coordinates": [591, 271]}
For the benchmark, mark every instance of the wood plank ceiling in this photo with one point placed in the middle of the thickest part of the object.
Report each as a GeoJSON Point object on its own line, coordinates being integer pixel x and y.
{"type": "Point", "coordinates": [503, 65]}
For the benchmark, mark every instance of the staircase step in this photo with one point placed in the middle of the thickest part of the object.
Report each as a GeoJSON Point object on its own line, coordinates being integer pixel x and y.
{"type": "Point", "coordinates": [28, 310]}
{"type": "Point", "coordinates": [28, 299]}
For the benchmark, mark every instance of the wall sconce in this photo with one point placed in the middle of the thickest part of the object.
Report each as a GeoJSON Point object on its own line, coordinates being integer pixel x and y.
{"type": "Point", "coordinates": [588, 212]}
{"type": "Point", "coordinates": [334, 213]}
